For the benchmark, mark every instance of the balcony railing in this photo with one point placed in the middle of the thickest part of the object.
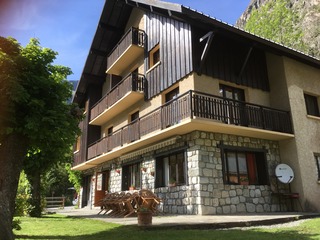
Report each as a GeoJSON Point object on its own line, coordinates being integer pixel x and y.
{"type": "Point", "coordinates": [240, 113]}
{"type": "Point", "coordinates": [133, 37]}
{"type": "Point", "coordinates": [133, 82]}
{"type": "Point", "coordinates": [77, 158]}
{"type": "Point", "coordinates": [195, 105]}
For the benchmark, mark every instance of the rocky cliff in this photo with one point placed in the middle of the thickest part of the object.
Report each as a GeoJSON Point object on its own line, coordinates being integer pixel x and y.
{"type": "Point", "coordinates": [309, 20]}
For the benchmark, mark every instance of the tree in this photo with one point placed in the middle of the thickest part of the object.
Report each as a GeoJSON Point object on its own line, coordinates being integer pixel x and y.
{"type": "Point", "coordinates": [13, 140]}
{"type": "Point", "coordinates": [37, 125]}
{"type": "Point", "coordinates": [277, 22]}
{"type": "Point", "coordinates": [59, 120]}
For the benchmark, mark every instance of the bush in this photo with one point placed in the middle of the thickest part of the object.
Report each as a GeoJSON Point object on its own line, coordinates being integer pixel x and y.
{"type": "Point", "coordinates": [23, 197]}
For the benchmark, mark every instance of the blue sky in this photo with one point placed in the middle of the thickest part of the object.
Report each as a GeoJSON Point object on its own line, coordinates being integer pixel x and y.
{"type": "Point", "coordinates": [68, 26]}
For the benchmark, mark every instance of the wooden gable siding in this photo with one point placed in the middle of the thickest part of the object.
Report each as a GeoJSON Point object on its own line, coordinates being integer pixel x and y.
{"type": "Point", "coordinates": [174, 38]}
{"type": "Point", "coordinates": [89, 133]}
{"type": "Point", "coordinates": [94, 95]}
{"type": "Point", "coordinates": [226, 58]}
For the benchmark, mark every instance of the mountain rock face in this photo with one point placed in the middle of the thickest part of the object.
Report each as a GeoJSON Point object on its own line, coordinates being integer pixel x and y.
{"type": "Point", "coordinates": [309, 14]}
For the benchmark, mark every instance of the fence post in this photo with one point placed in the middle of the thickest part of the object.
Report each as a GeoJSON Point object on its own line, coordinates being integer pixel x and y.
{"type": "Point", "coordinates": [191, 104]}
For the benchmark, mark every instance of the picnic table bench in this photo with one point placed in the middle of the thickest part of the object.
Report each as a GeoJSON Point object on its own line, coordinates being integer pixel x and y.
{"type": "Point", "coordinates": [127, 203]}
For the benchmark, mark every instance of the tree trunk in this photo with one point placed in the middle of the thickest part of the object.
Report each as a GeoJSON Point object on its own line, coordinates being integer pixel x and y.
{"type": "Point", "coordinates": [35, 182]}
{"type": "Point", "coordinates": [13, 149]}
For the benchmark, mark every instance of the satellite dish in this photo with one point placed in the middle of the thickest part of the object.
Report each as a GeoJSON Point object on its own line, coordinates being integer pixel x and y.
{"type": "Point", "coordinates": [284, 173]}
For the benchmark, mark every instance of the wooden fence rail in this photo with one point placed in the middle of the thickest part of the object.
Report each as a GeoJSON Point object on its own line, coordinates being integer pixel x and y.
{"type": "Point", "coordinates": [54, 202]}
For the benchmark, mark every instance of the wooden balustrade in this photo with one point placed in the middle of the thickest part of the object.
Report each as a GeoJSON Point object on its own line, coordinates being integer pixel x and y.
{"type": "Point", "coordinates": [132, 36]}
{"type": "Point", "coordinates": [190, 105]}
{"type": "Point", "coordinates": [133, 82]}
{"type": "Point", "coordinates": [77, 158]}
{"type": "Point", "coordinates": [241, 113]}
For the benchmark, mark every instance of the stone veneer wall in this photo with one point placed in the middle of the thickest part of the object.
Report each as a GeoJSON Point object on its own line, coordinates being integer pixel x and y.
{"type": "Point", "coordinates": [205, 193]}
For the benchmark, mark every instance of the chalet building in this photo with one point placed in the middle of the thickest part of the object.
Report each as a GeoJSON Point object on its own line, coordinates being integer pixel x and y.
{"type": "Point", "coordinates": [196, 110]}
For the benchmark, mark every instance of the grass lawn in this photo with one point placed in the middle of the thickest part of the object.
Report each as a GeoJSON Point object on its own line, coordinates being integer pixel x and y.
{"type": "Point", "coordinates": [62, 227]}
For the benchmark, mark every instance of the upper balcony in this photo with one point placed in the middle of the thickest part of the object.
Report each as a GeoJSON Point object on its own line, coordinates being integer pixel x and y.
{"type": "Point", "coordinates": [124, 94]}
{"type": "Point", "coordinates": [129, 48]}
{"type": "Point", "coordinates": [189, 112]}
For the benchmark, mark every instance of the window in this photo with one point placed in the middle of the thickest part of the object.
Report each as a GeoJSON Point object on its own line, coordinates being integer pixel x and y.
{"type": "Point", "coordinates": [134, 116]}
{"type": "Point", "coordinates": [311, 105]}
{"type": "Point", "coordinates": [172, 94]}
{"type": "Point", "coordinates": [243, 168]}
{"type": "Point", "coordinates": [131, 176]}
{"type": "Point", "coordinates": [154, 56]}
{"type": "Point", "coordinates": [234, 112]}
{"type": "Point", "coordinates": [232, 93]}
{"type": "Point", "coordinates": [77, 145]}
{"type": "Point", "coordinates": [171, 169]}
{"type": "Point", "coordinates": [317, 158]}
{"type": "Point", "coordinates": [110, 131]}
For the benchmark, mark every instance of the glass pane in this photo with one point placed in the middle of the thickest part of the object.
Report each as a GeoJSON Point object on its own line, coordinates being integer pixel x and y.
{"type": "Point", "coordinates": [312, 105]}
{"type": "Point", "coordinates": [232, 167]}
{"type": "Point", "coordinates": [180, 169]}
{"type": "Point", "coordinates": [228, 94]}
{"type": "Point", "coordinates": [242, 163]}
{"type": "Point", "coordinates": [156, 56]}
{"type": "Point", "coordinates": [172, 171]}
{"type": "Point", "coordinates": [318, 165]}
{"type": "Point", "coordinates": [232, 164]}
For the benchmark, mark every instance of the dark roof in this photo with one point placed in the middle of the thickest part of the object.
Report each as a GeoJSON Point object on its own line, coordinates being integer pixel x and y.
{"type": "Point", "coordinates": [116, 13]}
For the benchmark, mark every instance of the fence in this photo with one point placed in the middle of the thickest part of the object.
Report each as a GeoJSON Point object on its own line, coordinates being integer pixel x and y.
{"type": "Point", "coordinates": [54, 202]}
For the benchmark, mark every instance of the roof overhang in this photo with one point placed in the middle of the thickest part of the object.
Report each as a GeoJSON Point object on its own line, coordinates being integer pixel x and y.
{"type": "Point", "coordinates": [116, 13]}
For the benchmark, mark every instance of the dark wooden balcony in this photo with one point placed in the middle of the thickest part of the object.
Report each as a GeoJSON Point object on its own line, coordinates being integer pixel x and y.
{"type": "Point", "coordinates": [203, 112]}
{"type": "Point", "coordinates": [129, 90]}
{"type": "Point", "coordinates": [77, 158]}
{"type": "Point", "coordinates": [80, 149]}
{"type": "Point", "coordinates": [128, 49]}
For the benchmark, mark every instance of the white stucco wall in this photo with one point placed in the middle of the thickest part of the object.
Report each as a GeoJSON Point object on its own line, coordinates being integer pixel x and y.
{"type": "Point", "coordinates": [289, 80]}
{"type": "Point", "coordinates": [305, 79]}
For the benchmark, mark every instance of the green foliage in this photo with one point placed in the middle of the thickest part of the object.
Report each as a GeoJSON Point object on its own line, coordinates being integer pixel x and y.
{"type": "Point", "coordinates": [277, 22]}
{"type": "Point", "coordinates": [34, 96]}
{"type": "Point", "coordinates": [11, 91]}
{"type": "Point", "coordinates": [16, 224]}
{"type": "Point", "coordinates": [22, 204]}
{"type": "Point", "coordinates": [74, 177]}
{"type": "Point", "coordinates": [55, 181]}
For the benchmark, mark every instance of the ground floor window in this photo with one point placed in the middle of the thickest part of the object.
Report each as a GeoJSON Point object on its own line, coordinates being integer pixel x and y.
{"type": "Point", "coordinates": [171, 169]}
{"type": "Point", "coordinates": [131, 176]}
{"type": "Point", "coordinates": [245, 167]}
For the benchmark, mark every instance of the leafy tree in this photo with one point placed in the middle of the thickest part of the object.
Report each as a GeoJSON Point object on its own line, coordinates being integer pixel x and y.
{"type": "Point", "coordinates": [37, 126]}
{"type": "Point", "coordinates": [57, 182]}
{"type": "Point", "coordinates": [59, 120]}
{"type": "Point", "coordinates": [277, 22]}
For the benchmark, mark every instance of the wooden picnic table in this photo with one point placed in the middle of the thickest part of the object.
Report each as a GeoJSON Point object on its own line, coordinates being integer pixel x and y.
{"type": "Point", "coordinates": [127, 203]}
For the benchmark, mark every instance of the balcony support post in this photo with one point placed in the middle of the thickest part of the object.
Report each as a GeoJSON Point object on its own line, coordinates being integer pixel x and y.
{"type": "Point", "coordinates": [191, 104]}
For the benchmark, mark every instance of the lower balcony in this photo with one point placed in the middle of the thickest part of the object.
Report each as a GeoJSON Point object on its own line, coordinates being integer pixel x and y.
{"type": "Point", "coordinates": [128, 91]}
{"type": "Point", "coordinates": [189, 112]}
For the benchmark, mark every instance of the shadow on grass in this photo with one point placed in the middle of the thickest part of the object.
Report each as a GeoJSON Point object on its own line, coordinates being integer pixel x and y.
{"type": "Point", "coordinates": [136, 233]}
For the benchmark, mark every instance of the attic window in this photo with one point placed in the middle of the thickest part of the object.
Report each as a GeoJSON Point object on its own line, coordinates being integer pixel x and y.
{"type": "Point", "coordinates": [154, 56]}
